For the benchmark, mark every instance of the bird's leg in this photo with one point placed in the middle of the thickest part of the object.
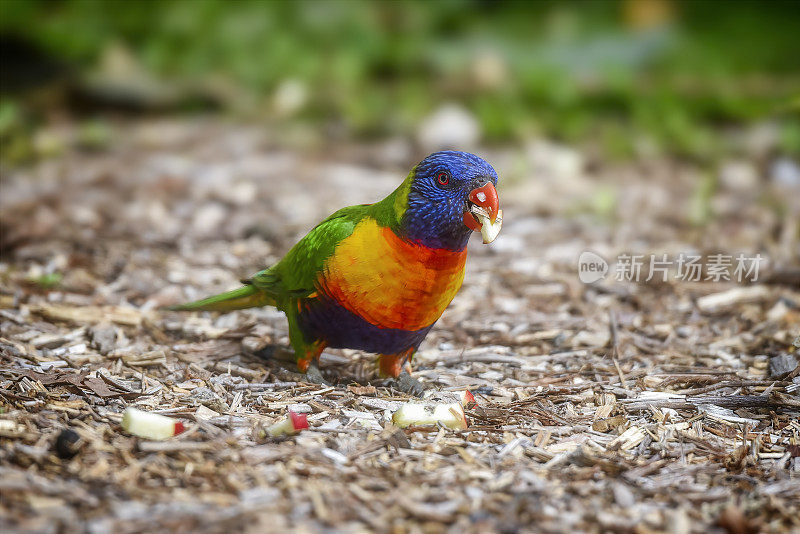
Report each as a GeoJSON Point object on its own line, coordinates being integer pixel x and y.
{"type": "Point", "coordinates": [407, 384]}
{"type": "Point", "coordinates": [307, 357]}
{"type": "Point", "coordinates": [314, 375]}
{"type": "Point", "coordinates": [397, 368]}
{"type": "Point", "coordinates": [391, 365]}
{"type": "Point", "coordinates": [306, 353]}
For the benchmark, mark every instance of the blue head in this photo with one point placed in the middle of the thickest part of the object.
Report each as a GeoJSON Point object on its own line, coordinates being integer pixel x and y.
{"type": "Point", "coordinates": [443, 188]}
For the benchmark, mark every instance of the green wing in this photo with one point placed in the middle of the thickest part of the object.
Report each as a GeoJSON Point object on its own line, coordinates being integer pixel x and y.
{"type": "Point", "coordinates": [296, 274]}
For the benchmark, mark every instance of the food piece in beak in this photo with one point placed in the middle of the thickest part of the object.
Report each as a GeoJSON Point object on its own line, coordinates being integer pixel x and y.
{"type": "Point", "coordinates": [489, 229]}
{"type": "Point", "coordinates": [484, 215]}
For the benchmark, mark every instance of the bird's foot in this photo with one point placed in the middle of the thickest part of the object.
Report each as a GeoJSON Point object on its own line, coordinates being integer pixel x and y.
{"type": "Point", "coordinates": [314, 375]}
{"type": "Point", "coordinates": [407, 384]}
{"type": "Point", "coordinates": [276, 352]}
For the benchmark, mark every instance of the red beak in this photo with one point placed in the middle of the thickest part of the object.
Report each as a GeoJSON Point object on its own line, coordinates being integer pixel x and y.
{"type": "Point", "coordinates": [485, 197]}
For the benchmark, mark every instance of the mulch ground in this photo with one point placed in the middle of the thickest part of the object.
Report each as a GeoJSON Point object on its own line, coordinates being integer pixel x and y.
{"type": "Point", "coordinates": [614, 406]}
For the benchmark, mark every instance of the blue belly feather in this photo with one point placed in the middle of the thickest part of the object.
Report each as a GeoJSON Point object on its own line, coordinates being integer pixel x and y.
{"type": "Point", "coordinates": [325, 319]}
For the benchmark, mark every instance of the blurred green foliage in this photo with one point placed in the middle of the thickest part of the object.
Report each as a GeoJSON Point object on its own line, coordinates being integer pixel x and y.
{"type": "Point", "coordinates": [659, 74]}
{"type": "Point", "coordinates": [48, 281]}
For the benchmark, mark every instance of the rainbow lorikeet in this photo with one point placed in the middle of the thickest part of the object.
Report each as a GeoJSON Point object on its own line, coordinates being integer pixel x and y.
{"type": "Point", "coordinates": [376, 277]}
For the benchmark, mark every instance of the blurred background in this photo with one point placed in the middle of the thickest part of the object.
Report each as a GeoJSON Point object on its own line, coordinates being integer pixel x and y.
{"type": "Point", "coordinates": [631, 78]}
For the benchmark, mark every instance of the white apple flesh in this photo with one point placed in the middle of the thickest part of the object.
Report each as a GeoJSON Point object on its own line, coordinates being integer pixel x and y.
{"type": "Point", "coordinates": [489, 230]}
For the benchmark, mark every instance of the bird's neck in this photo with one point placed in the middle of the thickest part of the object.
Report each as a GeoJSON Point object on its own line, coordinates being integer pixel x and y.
{"type": "Point", "coordinates": [417, 225]}
{"type": "Point", "coordinates": [389, 211]}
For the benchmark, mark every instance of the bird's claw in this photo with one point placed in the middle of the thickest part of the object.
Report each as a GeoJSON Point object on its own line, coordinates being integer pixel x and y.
{"type": "Point", "coordinates": [407, 384]}
{"type": "Point", "coordinates": [314, 375]}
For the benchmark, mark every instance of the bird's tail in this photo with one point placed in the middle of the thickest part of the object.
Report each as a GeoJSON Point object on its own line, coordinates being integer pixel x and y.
{"type": "Point", "coordinates": [238, 299]}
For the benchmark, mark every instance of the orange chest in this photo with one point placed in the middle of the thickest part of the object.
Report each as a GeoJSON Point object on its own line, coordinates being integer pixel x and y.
{"type": "Point", "coordinates": [389, 282]}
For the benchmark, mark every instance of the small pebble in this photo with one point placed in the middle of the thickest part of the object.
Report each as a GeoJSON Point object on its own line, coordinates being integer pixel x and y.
{"type": "Point", "coordinates": [68, 444]}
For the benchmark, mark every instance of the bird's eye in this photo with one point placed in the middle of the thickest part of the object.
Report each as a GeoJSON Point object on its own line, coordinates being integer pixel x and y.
{"type": "Point", "coordinates": [443, 177]}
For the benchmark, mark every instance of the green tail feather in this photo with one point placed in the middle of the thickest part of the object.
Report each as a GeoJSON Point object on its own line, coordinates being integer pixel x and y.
{"type": "Point", "coordinates": [238, 299]}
